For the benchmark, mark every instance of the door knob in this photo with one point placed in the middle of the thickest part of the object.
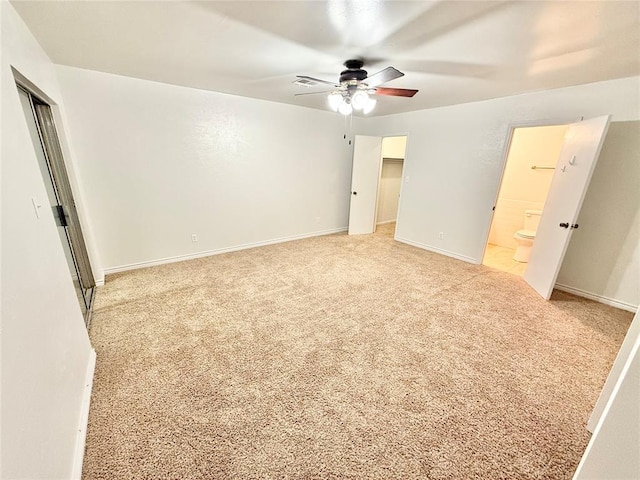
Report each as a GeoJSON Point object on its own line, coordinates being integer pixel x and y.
{"type": "Point", "coordinates": [564, 225]}
{"type": "Point", "coordinates": [574, 226]}
{"type": "Point", "coordinates": [355, 193]}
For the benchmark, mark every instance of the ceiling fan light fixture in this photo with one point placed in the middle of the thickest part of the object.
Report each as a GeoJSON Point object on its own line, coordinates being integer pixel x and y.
{"type": "Point", "coordinates": [335, 99]}
{"type": "Point", "coordinates": [359, 100]}
{"type": "Point", "coordinates": [345, 108]}
{"type": "Point", "coordinates": [371, 103]}
{"type": "Point", "coordinates": [355, 87]}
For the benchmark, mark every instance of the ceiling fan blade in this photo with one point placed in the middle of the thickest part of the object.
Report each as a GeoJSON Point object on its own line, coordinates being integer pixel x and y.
{"type": "Point", "coordinates": [312, 81]}
{"type": "Point", "coordinates": [312, 93]}
{"type": "Point", "coordinates": [396, 92]}
{"type": "Point", "coordinates": [383, 76]}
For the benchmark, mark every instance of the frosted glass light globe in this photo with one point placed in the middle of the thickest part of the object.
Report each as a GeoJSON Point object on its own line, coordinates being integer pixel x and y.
{"type": "Point", "coordinates": [359, 100]}
{"type": "Point", "coordinates": [345, 108]}
{"type": "Point", "coordinates": [371, 102]}
{"type": "Point", "coordinates": [335, 99]}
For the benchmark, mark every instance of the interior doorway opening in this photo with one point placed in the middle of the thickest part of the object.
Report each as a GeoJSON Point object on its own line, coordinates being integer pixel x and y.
{"type": "Point", "coordinates": [531, 162]}
{"type": "Point", "coordinates": [376, 183]}
{"type": "Point", "coordinates": [390, 181]}
{"type": "Point", "coordinates": [46, 143]}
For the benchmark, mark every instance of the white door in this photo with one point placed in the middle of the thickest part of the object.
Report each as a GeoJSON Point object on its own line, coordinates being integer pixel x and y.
{"type": "Point", "coordinates": [367, 155]}
{"type": "Point", "coordinates": [576, 163]}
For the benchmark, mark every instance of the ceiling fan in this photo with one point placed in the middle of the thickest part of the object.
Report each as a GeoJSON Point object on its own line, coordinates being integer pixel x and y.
{"type": "Point", "coordinates": [355, 87]}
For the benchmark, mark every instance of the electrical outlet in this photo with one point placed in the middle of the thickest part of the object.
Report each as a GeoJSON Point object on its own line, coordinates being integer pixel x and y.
{"type": "Point", "coordinates": [441, 235]}
{"type": "Point", "coordinates": [194, 237]}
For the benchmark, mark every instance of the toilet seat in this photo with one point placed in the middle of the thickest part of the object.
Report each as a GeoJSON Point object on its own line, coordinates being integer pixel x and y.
{"type": "Point", "coordinates": [526, 234]}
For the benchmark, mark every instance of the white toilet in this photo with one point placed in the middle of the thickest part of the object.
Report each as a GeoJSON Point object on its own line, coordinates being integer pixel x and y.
{"type": "Point", "coordinates": [527, 235]}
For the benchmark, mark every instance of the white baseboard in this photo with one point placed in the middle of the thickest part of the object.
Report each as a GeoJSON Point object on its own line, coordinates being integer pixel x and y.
{"type": "Point", "coordinates": [81, 435]}
{"type": "Point", "coordinates": [207, 253]}
{"type": "Point", "coordinates": [438, 250]}
{"type": "Point", "coordinates": [598, 298]}
{"type": "Point", "coordinates": [386, 221]}
{"type": "Point", "coordinates": [100, 282]}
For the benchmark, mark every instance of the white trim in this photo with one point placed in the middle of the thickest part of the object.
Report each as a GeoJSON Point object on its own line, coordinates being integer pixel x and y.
{"type": "Point", "coordinates": [386, 221]}
{"type": "Point", "coordinates": [598, 298]}
{"type": "Point", "coordinates": [633, 334]}
{"type": "Point", "coordinates": [218, 251]}
{"type": "Point", "coordinates": [457, 256]}
{"type": "Point", "coordinates": [100, 283]}
{"type": "Point", "coordinates": [598, 443]}
{"type": "Point", "coordinates": [81, 436]}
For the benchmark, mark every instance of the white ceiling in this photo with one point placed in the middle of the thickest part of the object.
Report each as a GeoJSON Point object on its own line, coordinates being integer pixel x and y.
{"type": "Point", "coordinates": [452, 51]}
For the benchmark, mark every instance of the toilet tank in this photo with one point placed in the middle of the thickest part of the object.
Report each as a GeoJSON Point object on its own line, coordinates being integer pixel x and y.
{"type": "Point", "coordinates": [531, 219]}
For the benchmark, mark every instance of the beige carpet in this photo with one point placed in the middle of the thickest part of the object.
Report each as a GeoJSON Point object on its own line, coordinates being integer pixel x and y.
{"type": "Point", "coordinates": [342, 357]}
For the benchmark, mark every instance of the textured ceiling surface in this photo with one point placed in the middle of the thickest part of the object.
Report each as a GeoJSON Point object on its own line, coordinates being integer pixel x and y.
{"type": "Point", "coordinates": [452, 51]}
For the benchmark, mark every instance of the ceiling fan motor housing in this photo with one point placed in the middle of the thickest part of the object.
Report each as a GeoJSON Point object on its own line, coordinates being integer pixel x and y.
{"type": "Point", "coordinates": [354, 71]}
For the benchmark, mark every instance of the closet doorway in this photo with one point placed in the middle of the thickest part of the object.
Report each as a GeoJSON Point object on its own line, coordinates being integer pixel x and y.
{"type": "Point", "coordinates": [390, 182]}
{"type": "Point", "coordinates": [376, 181]}
{"type": "Point", "coordinates": [48, 151]}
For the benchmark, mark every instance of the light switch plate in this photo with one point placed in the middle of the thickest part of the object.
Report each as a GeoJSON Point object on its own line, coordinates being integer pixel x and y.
{"type": "Point", "coordinates": [36, 206]}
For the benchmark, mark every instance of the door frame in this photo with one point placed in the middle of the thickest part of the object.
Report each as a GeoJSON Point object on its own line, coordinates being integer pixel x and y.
{"type": "Point", "coordinates": [68, 157]}
{"type": "Point", "coordinates": [404, 164]}
{"type": "Point", "coordinates": [23, 83]}
{"type": "Point", "coordinates": [380, 160]}
{"type": "Point", "coordinates": [402, 180]}
{"type": "Point", "coordinates": [505, 155]}
{"type": "Point", "coordinates": [389, 160]}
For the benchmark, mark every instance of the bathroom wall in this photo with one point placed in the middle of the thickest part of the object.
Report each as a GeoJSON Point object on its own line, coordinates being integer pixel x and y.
{"type": "Point", "coordinates": [522, 187]}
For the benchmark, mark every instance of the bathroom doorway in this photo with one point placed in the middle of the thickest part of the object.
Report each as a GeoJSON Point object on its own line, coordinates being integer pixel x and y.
{"type": "Point", "coordinates": [531, 161]}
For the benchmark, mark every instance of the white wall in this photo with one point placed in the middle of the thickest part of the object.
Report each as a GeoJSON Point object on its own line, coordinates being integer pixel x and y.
{"type": "Point", "coordinates": [626, 349]}
{"type": "Point", "coordinates": [45, 348]}
{"type": "Point", "coordinates": [394, 147]}
{"type": "Point", "coordinates": [161, 162]}
{"type": "Point", "coordinates": [523, 188]}
{"type": "Point", "coordinates": [455, 154]}
{"type": "Point", "coordinates": [613, 453]}
{"type": "Point", "coordinates": [157, 163]}
{"type": "Point", "coordinates": [603, 258]}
